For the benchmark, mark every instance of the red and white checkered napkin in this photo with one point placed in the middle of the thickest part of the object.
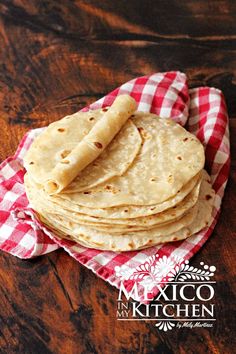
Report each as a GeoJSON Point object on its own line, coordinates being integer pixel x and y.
{"type": "Point", "coordinates": [202, 110]}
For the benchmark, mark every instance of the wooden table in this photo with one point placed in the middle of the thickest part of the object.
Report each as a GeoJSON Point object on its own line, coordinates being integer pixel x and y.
{"type": "Point", "coordinates": [55, 58]}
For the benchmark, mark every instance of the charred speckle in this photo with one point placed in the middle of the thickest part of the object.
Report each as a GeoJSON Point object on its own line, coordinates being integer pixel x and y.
{"type": "Point", "coordinates": [66, 162]}
{"type": "Point", "coordinates": [208, 196]}
{"type": "Point", "coordinates": [98, 145]}
{"type": "Point", "coordinates": [65, 153]}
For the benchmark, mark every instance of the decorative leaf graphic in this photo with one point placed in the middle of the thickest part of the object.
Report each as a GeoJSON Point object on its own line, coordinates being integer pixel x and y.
{"type": "Point", "coordinates": [185, 271]}
{"type": "Point", "coordinates": [156, 269]}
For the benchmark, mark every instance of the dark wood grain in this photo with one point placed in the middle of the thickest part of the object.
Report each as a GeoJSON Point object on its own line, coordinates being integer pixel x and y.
{"type": "Point", "coordinates": [55, 58]}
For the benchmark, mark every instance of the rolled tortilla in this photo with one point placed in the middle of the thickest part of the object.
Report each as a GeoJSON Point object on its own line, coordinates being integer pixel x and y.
{"type": "Point", "coordinates": [92, 144]}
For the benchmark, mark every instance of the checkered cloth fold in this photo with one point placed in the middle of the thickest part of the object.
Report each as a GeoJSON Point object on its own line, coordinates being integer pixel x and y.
{"type": "Point", "coordinates": [202, 110]}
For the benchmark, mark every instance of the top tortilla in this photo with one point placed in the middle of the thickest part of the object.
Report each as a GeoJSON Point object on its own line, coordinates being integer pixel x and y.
{"type": "Point", "coordinates": [60, 138]}
{"type": "Point", "coordinates": [92, 144]}
{"type": "Point", "coordinates": [169, 158]}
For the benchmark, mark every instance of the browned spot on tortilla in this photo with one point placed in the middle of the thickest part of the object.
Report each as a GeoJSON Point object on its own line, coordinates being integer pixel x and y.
{"type": "Point", "coordinates": [185, 139]}
{"type": "Point", "coordinates": [61, 130]}
{"type": "Point", "coordinates": [105, 109]}
{"type": "Point", "coordinates": [31, 163]}
{"type": "Point", "coordinates": [108, 187]}
{"type": "Point", "coordinates": [66, 162]}
{"type": "Point", "coordinates": [131, 244]}
{"type": "Point", "coordinates": [133, 115]}
{"type": "Point", "coordinates": [153, 179]}
{"type": "Point", "coordinates": [208, 196]}
{"type": "Point", "coordinates": [175, 239]}
{"type": "Point", "coordinates": [126, 210]}
{"type": "Point", "coordinates": [98, 145]}
{"type": "Point", "coordinates": [174, 206]}
{"type": "Point", "coordinates": [149, 241]}
{"type": "Point", "coordinates": [98, 243]}
{"type": "Point", "coordinates": [153, 208]}
{"type": "Point", "coordinates": [87, 192]}
{"type": "Point", "coordinates": [170, 179]}
{"type": "Point", "coordinates": [143, 133]}
{"type": "Point", "coordinates": [179, 157]}
{"type": "Point", "coordinates": [188, 233]}
{"type": "Point", "coordinates": [65, 153]}
{"type": "Point", "coordinates": [91, 118]}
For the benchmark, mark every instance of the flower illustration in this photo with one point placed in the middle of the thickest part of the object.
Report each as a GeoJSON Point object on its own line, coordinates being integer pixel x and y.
{"type": "Point", "coordinates": [165, 325]}
{"type": "Point", "coordinates": [164, 265]}
{"type": "Point", "coordinates": [161, 269]}
{"type": "Point", "coordinates": [147, 273]}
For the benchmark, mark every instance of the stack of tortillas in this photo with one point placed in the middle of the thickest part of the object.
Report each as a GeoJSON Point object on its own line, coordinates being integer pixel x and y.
{"type": "Point", "coordinates": [116, 179]}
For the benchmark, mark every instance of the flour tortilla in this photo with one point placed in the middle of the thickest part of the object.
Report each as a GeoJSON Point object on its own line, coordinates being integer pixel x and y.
{"type": "Point", "coordinates": [61, 137]}
{"type": "Point", "coordinates": [88, 233]}
{"type": "Point", "coordinates": [169, 158]}
{"type": "Point", "coordinates": [92, 144]}
{"type": "Point", "coordinates": [115, 225]}
{"type": "Point", "coordinates": [114, 160]}
{"type": "Point", "coordinates": [132, 241]}
{"type": "Point", "coordinates": [123, 214]}
{"type": "Point", "coordinates": [40, 204]}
